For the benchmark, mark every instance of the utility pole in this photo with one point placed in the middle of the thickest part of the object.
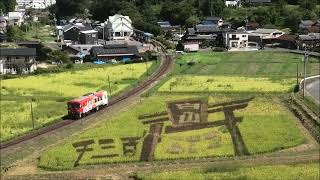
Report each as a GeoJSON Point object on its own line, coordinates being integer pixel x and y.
{"type": "Point", "coordinates": [297, 74]}
{"type": "Point", "coordinates": [32, 116]}
{"type": "Point", "coordinates": [305, 60]}
{"type": "Point", "coordinates": [147, 67]}
{"type": "Point", "coordinates": [109, 85]}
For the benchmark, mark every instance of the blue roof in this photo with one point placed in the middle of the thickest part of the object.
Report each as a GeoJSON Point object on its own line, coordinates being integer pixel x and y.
{"type": "Point", "coordinates": [99, 62]}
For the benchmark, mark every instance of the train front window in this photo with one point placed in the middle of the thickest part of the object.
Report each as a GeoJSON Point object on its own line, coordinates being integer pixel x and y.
{"type": "Point", "coordinates": [74, 105]}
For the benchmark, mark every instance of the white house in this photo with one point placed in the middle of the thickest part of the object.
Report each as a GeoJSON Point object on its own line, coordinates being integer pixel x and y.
{"type": "Point", "coordinates": [191, 46]}
{"type": "Point", "coordinates": [35, 4]}
{"type": "Point", "coordinates": [236, 41]}
{"type": "Point", "coordinates": [16, 18]}
{"type": "Point", "coordinates": [266, 33]}
{"type": "Point", "coordinates": [118, 27]}
{"type": "Point", "coordinates": [233, 3]}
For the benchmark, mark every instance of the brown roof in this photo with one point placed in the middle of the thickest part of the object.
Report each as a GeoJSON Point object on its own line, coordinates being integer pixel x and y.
{"type": "Point", "coordinates": [287, 37]}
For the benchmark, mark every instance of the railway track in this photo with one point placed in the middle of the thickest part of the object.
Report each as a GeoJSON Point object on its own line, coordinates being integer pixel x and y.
{"type": "Point", "coordinates": [162, 70]}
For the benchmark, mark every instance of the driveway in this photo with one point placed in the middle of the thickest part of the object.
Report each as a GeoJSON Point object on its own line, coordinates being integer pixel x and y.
{"type": "Point", "coordinates": [313, 88]}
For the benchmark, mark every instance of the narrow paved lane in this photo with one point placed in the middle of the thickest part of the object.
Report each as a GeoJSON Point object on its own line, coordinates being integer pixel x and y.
{"type": "Point", "coordinates": [313, 88]}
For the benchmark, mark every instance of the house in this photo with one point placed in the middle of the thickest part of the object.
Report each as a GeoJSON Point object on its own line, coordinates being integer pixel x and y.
{"type": "Point", "coordinates": [204, 34]}
{"type": "Point", "coordinates": [206, 29]}
{"type": "Point", "coordinates": [17, 61]}
{"type": "Point", "coordinates": [309, 26]}
{"type": "Point", "coordinates": [258, 1]}
{"type": "Point", "coordinates": [72, 31]}
{"type": "Point", "coordinates": [266, 33]}
{"type": "Point", "coordinates": [211, 20]}
{"type": "Point", "coordinates": [115, 51]}
{"type": "Point", "coordinates": [79, 51]}
{"type": "Point", "coordinates": [118, 27]}
{"type": "Point", "coordinates": [35, 4]}
{"type": "Point", "coordinates": [285, 41]}
{"type": "Point", "coordinates": [15, 18]}
{"type": "Point", "coordinates": [88, 37]}
{"type": "Point", "coordinates": [237, 41]}
{"type": "Point", "coordinates": [165, 26]}
{"type": "Point", "coordinates": [191, 46]}
{"type": "Point", "coordinates": [233, 3]}
{"type": "Point", "coordinates": [310, 40]}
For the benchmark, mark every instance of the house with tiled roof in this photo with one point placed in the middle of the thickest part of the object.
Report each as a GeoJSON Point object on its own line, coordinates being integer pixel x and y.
{"type": "Point", "coordinates": [17, 60]}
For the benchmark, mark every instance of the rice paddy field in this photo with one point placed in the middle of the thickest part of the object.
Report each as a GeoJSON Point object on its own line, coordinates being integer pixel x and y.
{"type": "Point", "coordinates": [51, 91]}
{"type": "Point", "coordinates": [261, 132]}
{"type": "Point", "coordinates": [227, 84]}
{"type": "Point", "coordinates": [252, 64]}
{"type": "Point", "coordinates": [300, 171]}
{"type": "Point", "coordinates": [261, 124]}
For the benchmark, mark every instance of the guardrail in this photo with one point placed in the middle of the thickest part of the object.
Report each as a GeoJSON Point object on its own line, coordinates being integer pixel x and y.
{"type": "Point", "coordinates": [308, 78]}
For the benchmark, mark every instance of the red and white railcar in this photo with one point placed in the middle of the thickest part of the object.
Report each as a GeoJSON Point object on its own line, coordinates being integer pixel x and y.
{"type": "Point", "coordinates": [82, 106]}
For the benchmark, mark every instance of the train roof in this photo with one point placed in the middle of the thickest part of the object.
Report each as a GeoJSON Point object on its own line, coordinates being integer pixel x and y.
{"type": "Point", "coordinates": [87, 97]}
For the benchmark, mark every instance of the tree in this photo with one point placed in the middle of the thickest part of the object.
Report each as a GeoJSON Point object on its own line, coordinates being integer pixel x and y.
{"type": "Point", "coordinates": [102, 9]}
{"type": "Point", "coordinates": [192, 21]}
{"type": "Point", "coordinates": [7, 5]}
{"type": "Point", "coordinates": [308, 4]}
{"type": "Point", "coordinates": [70, 8]}
{"type": "Point", "coordinates": [179, 46]}
{"type": "Point", "coordinates": [15, 33]}
{"type": "Point", "coordinates": [60, 57]}
{"type": "Point", "coordinates": [212, 7]}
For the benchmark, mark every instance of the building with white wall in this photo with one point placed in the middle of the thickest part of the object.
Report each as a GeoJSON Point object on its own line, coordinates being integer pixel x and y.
{"type": "Point", "coordinates": [236, 41]}
{"type": "Point", "coordinates": [233, 3]}
{"type": "Point", "coordinates": [118, 27]}
{"type": "Point", "coordinates": [15, 18]}
{"type": "Point", "coordinates": [35, 4]}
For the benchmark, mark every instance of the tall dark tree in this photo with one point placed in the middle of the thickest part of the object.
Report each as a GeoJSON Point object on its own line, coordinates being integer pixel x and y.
{"type": "Point", "coordinates": [7, 5]}
{"type": "Point", "coordinates": [70, 8]}
{"type": "Point", "coordinates": [102, 9]}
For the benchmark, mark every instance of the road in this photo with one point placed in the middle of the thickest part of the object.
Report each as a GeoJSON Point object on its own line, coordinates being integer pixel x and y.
{"type": "Point", "coordinates": [313, 88]}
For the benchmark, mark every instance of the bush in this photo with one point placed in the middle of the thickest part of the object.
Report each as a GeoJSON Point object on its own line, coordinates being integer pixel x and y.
{"type": "Point", "coordinates": [296, 88]}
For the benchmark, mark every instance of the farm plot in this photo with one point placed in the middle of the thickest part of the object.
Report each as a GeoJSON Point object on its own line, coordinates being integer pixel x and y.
{"type": "Point", "coordinates": [129, 137]}
{"type": "Point", "coordinates": [260, 63]}
{"type": "Point", "coordinates": [51, 91]}
{"type": "Point", "coordinates": [226, 84]}
{"type": "Point", "coordinates": [300, 171]}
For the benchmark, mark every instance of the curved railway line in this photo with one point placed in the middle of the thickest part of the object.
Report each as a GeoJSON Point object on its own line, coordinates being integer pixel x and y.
{"type": "Point", "coordinates": [162, 70]}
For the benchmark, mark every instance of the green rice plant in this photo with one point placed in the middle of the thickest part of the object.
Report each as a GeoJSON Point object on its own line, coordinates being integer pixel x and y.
{"type": "Point", "coordinates": [226, 84]}
{"type": "Point", "coordinates": [262, 131]}
{"type": "Point", "coordinates": [300, 171]}
{"type": "Point", "coordinates": [52, 91]}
